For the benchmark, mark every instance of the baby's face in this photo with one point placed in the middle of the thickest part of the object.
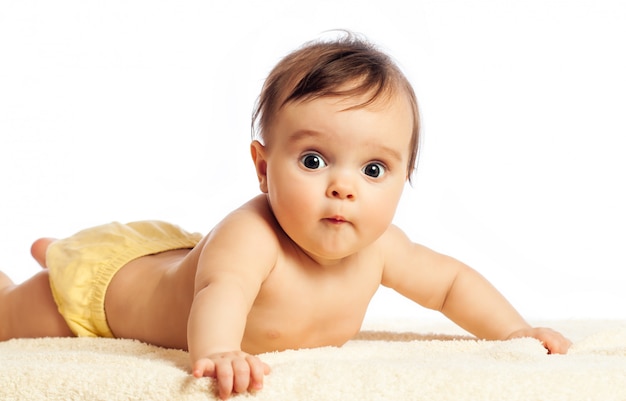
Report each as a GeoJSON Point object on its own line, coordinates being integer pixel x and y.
{"type": "Point", "coordinates": [335, 175]}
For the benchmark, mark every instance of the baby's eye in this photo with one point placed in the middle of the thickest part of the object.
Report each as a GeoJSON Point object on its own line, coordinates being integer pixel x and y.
{"type": "Point", "coordinates": [374, 170]}
{"type": "Point", "coordinates": [312, 161]}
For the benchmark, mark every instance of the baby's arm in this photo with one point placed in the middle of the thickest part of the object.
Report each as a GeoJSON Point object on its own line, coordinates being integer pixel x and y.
{"type": "Point", "coordinates": [234, 262]}
{"type": "Point", "coordinates": [476, 305]}
{"type": "Point", "coordinates": [215, 330]}
{"type": "Point", "coordinates": [442, 283]}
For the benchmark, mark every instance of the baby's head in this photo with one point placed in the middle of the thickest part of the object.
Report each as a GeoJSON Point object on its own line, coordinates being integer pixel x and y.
{"type": "Point", "coordinates": [347, 66]}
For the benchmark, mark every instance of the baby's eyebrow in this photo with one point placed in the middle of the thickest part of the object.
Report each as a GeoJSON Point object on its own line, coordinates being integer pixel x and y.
{"type": "Point", "coordinates": [391, 153]}
{"type": "Point", "coordinates": [377, 147]}
{"type": "Point", "coordinates": [305, 134]}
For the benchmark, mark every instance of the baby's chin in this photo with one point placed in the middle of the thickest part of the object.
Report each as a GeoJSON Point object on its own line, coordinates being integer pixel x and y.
{"type": "Point", "coordinates": [329, 257]}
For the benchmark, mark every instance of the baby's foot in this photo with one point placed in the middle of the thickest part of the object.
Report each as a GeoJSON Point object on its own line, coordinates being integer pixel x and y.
{"type": "Point", "coordinates": [39, 248]}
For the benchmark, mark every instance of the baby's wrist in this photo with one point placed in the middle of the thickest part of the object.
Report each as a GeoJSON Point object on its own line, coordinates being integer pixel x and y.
{"type": "Point", "coordinates": [521, 331]}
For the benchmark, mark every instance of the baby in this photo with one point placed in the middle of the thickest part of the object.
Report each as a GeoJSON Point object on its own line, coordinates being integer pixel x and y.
{"type": "Point", "coordinates": [337, 129]}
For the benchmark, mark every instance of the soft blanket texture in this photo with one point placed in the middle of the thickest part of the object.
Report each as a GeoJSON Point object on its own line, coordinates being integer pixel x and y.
{"type": "Point", "coordinates": [390, 360]}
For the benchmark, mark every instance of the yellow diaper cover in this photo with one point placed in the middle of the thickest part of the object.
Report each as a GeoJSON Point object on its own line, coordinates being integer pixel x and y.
{"type": "Point", "coordinates": [82, 266]}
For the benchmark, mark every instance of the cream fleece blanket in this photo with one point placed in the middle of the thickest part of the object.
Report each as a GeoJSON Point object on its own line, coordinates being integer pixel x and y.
{"type": "Point", "coordinates": [379, 365]}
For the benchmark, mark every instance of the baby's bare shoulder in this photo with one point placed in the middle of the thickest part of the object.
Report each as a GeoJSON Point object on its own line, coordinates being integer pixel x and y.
{"type": "Point", "coordinates": [400, 253]}
{"type": "Point", "coordinates": [253, 219]}
{"type": "Point", "coordinates": [244, 242]}
{"type": "Point", "coordinates": [250, 230]}
{"type": "Point", "coordinates": [393, 240]}
{"type": "Point", "coordinates": [257, 208]}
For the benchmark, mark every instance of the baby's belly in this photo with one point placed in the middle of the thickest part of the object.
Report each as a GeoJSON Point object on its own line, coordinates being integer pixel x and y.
{"type": "Point", "coordinates": [144, 300]}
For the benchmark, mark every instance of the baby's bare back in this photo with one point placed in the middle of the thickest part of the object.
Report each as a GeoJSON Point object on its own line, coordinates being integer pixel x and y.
{"type": "Point", "coordinates": [298, 306]}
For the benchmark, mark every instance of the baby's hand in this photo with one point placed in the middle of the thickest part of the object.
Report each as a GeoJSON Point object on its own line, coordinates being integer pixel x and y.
{"type": "Point", "coordinates": [234, 372]}
{"type": "Point", "coordinates": [552, 340]}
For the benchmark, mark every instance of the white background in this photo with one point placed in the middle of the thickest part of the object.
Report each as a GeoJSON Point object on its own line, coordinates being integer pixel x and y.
{"type": "Point", "coordinates": [128, 110]}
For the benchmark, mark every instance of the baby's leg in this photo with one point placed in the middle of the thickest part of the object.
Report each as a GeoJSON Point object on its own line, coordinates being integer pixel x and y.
{"type": "Point", "coordinates": [28, 310]}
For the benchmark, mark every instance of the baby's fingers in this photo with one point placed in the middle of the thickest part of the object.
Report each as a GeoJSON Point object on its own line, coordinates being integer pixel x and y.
{"type": "Point", "coordinates": [222, 372]}
{"type": "Point", "coordinates": [554, 342]}
{"type": "Point", "coordinates": [203, 367]}
{"type": "Point", "coordinates": [225, 377]}
{"type": "Point", "coordinates": [235, 372]}
{"type": "Point", "coordinates": [247, 374]}
{"type": "Point", "coordinates": [258, 370]}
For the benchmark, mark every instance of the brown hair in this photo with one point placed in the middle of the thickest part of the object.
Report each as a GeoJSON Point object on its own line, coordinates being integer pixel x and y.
{"type": "Point", "coordinates": [324, 68]}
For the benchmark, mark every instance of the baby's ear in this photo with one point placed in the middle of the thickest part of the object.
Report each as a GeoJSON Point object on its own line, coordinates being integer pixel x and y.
{"type": "Point", "coordinates": [257, 150]}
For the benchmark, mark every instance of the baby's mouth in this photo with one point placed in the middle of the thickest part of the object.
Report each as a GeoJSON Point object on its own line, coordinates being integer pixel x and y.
{"type": "Point", "coordinates": [336, 219]}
